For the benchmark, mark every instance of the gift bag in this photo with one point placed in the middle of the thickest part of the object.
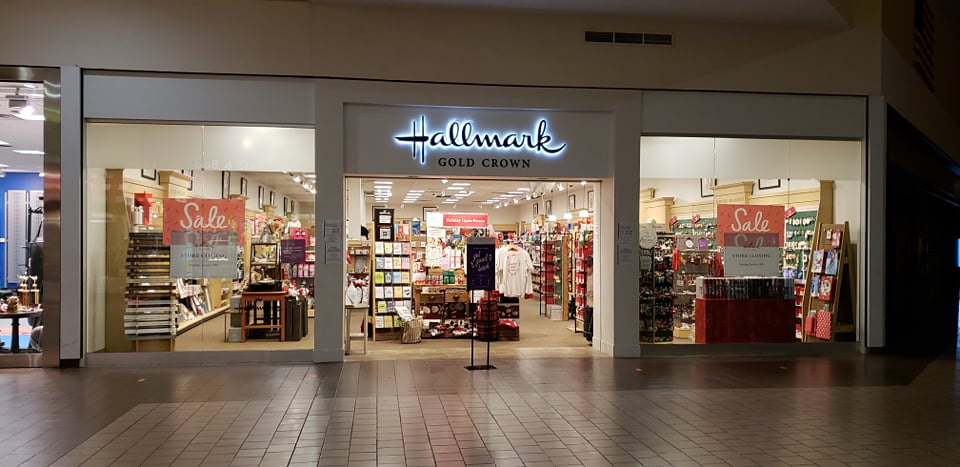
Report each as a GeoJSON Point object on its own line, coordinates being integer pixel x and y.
{"type": "Point", "coordinates": [412, 331]}
{"type": "Point", "coordinates": [824, 325]}
{"type": "Point", "coordinates": [810, 324]}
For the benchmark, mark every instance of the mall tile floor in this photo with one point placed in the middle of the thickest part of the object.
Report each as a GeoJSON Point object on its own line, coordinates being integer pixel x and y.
{"type": "Point", "coordinates": [683, 411]}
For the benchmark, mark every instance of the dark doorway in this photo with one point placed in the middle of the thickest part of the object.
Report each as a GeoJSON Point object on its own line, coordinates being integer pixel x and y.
{"type": "Point", "coordinates": [922, 264]}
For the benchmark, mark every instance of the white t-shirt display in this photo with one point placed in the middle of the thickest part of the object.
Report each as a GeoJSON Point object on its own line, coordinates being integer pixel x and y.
{"type": "Point", "coordinates": [514, 268]}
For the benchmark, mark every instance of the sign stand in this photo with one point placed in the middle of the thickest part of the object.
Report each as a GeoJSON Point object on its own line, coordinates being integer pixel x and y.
{"type": "Point", "coordinates": [481, 252]}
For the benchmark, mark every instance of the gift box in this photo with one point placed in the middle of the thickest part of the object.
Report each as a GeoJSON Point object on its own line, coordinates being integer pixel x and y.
{"type": "Point", "coordinates": [810, 324]}
{"type": "Point", "coordinates": [824, 326]}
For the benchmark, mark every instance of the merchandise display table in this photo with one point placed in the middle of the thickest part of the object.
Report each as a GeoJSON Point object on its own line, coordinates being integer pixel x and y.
{"type": "Point", "coordinates": [274, 310]}
{"type": "Point", "coordinates": [15, 325]}
{"type": "Point", "coordinates": [744, 320]}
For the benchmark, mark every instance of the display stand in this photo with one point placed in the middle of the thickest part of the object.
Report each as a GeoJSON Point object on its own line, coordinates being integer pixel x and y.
{"type": "Point", "coordinates": [835, 270]}
{"type": "Point", "coordinates": [656, 291]}
{"type": "Point", "coordinates": [481, 270]}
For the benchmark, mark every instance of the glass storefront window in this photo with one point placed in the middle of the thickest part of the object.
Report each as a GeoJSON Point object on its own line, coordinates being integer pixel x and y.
{"type": "Point", "coordinates": [21, 185]}
{"type": "Point", "coordinates": [748, 240]}
{"type": "Point", "coordinates": [198, 238]}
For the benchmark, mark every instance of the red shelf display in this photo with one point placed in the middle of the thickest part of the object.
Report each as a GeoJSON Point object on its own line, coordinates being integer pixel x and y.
{"type": "Point", "coordinates": [724, 321]}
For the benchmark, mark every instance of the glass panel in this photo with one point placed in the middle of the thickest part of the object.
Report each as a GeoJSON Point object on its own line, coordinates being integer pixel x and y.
{"type": "Point", "coordinates": [689, 186]}
{"type": "Point", "coordinates": [21, 185]}
{"type": "Point", "coordinates": [183, 222]}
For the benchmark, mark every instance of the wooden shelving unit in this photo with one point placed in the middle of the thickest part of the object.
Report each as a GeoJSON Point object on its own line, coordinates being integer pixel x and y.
{"type": "Point", "coordinates": [151, 295]}
{"type": "Point", "coordinates": [392, 286]}
{"type": "Point", "coordinates": [840, 300]}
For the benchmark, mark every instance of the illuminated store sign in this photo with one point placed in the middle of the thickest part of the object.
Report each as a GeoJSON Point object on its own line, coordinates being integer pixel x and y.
{"type": "Point", "coordinates": [461, 136]}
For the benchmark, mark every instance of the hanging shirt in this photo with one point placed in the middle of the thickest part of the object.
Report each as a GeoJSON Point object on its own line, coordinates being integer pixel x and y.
{"type": "Point", "coordinates": [514, 268]}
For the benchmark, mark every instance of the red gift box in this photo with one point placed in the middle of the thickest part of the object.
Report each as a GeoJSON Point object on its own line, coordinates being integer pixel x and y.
{"type": "Point", "coordinates": [824, 325]}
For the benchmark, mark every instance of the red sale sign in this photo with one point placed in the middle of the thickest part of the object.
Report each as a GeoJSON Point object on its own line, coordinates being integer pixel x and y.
{"type": "Point", "coordinates": [750, 221]}
{"type": "Point", "coordinates": [465, 220]}
{"type": "Point", "coordinates": [202, 215]}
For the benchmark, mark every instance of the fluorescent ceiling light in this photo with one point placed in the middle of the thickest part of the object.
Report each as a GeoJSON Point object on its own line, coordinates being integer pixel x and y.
{"type": "Point", "coordinates": [383, 182]}
{"type": "Point", "coordinates": [311, 175]}
{"type": "Point", "coordinates": [30, 152]}
{"type": "Point", "coordinates": [515, 192]}
{"type": "Point", "coordinates": [523, 189]}
{"type": "Point", "coordinates": [4, 144]}
{"type": "Point", "coordinates": [459, 184]}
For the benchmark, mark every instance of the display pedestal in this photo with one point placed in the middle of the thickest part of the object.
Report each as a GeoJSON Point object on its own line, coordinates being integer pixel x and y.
{"type": "Point", "coordinates": [725, 321]}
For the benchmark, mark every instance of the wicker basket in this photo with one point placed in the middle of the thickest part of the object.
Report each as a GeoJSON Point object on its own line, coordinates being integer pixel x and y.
{"type": "Point", "coordinates": [412, 331]}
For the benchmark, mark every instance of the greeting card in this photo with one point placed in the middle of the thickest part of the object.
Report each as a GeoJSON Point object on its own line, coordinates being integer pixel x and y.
{"type": "Point", "coordinates": [816, 262]}
{"type": "Point", "coordinates": [836, 238]}
{"type": "Point", "coordinates": [815, 286]}
{"type": "Point", "coordinates": [826, 289]}
{"type": "Point", "coordinates": [830, 263]}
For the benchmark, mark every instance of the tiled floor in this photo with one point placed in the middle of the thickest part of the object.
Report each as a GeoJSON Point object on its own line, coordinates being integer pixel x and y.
{"type": "Point", "coordinates": [572, 411]}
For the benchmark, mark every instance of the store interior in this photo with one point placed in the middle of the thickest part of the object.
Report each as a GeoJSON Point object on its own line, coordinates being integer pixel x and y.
{"type": "Point", "coordinates": [21, 184]}
{"type": "Point", "coordinates": [407, 275]}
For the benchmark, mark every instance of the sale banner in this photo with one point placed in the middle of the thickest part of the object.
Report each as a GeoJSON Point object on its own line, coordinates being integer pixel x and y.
{"type": "Point", "coordinates": [202, 215]}
{"type": "Point", "coordinates": [749, 220]}
{"type": "Point", "coordinates": [465, 220]}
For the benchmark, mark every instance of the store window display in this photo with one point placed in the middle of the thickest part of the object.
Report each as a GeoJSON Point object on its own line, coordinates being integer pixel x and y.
{"type": "Point", "coordinates": [745, 239]}
{"type": "Point", "coordinates": [207, 267]}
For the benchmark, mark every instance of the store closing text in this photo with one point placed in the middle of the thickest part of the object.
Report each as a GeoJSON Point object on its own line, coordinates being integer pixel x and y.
{"type": "Point", "coordinates": [485, 162]}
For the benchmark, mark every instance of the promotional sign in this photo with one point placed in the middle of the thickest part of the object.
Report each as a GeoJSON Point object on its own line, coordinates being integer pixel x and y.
{"type": "Point", "coordinates": [383, 224]}
{"type": "Point", "coordinates": [481, 257]}
{"type": "Point", "coordinates": [293, 251]}
{"type": "Point", "coordinates": [202, 215]}
{"type": "Point", "coordinates": [196, 255]}
{"type": "Point", "coordinates": [750, 220]}
{"type": "Point", "coordinates": [746, 261]}
{"type": "Point", "coordinates": [648, 234]}
{"type": "Point", "coordinates": [465, 220]}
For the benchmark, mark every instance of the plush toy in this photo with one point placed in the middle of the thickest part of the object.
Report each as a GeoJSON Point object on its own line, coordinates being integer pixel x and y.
{"type": "Point", "coordinates": [13, 303]}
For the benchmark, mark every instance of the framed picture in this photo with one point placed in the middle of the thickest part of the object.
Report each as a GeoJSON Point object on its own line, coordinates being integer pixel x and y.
{"type": "Point", "coordinates": [243, 186]}
{"type": "Point", "coordinates": [548, 206]}
{"type": "Point", "coordinates": [427, 209]}
{"type": "Point", "coordinates": [590, 200]}
{"type": "Point", "coordinates": [286, 205]}
{"type": "Point", "coordinates": [149, 174]}
{"type": "Point", "coordinates": [571, 202]}
{"type": "Point", "coordinates": [536, 209]}
{"type": "Point", "coordinates": [273, 198]}
{"type": "Point", "coordinates": [260, 193]}
{"type": "Point", "coordinates": [706, 187]}
{"type": "Point", "coordinates": [768, 183]}
{"type": "Point", "coordinates": [190, 173]}
{"type": "Point", "coordinates": [225, 185]}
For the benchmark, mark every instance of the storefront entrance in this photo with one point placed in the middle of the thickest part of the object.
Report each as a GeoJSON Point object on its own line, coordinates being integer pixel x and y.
{"type": "Point", "coordinates": [407, 266]}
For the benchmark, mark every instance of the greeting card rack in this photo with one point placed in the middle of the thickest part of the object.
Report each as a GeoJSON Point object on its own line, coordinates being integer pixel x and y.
{"type": "Point", "coordinates": [827, 301]}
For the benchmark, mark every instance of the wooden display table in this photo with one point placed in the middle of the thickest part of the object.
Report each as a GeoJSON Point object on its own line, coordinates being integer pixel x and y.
{"type": "Point", "coordinates": [274, 307]}
{"type": "Point", "coordinates": [720, 321]}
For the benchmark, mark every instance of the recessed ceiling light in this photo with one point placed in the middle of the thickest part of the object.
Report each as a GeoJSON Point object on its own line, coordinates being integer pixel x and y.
{"type": "Point", "coordinates": [4, 144]}
{"type": "Point", "coordinates": [583, 182]}
{"type": "Point", "coordinates": [29, 152]}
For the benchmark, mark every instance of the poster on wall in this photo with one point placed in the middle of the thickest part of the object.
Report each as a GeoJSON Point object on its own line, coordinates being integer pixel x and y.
{"type": "Point", "coordinates": [481, 253]}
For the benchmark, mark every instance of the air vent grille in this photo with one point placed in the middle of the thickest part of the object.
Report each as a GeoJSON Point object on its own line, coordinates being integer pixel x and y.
{"type": "Point", "coordinates": [658, 39]}
{"type": "Point", "coordinates": [631, 38]}
{"type": "Point", "coordinates": [628, 37]}
{"type": "Point", "coordinates": [598, 36]}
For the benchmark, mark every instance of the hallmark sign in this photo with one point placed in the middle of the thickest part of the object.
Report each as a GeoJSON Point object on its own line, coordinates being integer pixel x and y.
{"type": "Point", "coordinates": [460, 136]}
{"type": "Point", "coordinates": [401, 140]}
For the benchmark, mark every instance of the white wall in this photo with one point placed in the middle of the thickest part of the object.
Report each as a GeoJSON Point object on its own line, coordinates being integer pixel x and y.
{"type": "Point", "coordinates": [490, 46]}
{"type": "Point", "coordinates": [687, 190]}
